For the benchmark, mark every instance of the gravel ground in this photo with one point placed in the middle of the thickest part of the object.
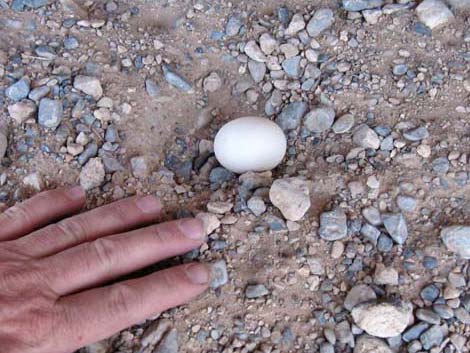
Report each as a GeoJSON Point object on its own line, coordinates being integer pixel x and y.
{"type": "Point", "coordinates": [358, 242]}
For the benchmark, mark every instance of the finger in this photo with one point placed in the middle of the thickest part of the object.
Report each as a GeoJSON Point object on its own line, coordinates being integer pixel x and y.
{"type": "Point", "coordinates": [93, 263]}
{"type": "Point", "coordinates": [98, 313]}
{"type": "Point", "coordinates": [39, 210]}
{"type": "Point", "coordinates": [114, 218]}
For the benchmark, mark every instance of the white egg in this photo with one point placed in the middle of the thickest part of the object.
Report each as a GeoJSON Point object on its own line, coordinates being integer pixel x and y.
{"type": "Point", "coordinates": [250, 144]}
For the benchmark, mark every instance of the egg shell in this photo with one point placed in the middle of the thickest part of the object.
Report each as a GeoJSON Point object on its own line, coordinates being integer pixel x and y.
{"type": "Point", "coordinates": [250, 144]}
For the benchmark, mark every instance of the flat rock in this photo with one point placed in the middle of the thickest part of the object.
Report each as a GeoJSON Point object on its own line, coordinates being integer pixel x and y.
{"type": "Point", "coordinates": [219, 207]}
{"type": "Point", "coordinates": [434, 13]}
{"type": "Point", "coordinates": [254, 52]}
{"type": "Point", "coordinates": [3, 145]}
{"type": "Point", "coordinates": [233, 26]}
{"type": "Point", "coordinates": [218, 274]}
{"type": "Point", "coordinates": [359, 294]}
{"type": "Point", "coordinates": [256, 205]}
{"type": "Point", "coordinates": [368, 344]}
{"type": "Point", "coordinates": [365, 137]}
{"type": "Point", "coordinates": [319, 119]}
{"type": "Point", "coordinates": [321, 20]}
{"type": "Point", "coordinates": [22, 111]}
{"type": "Point", "coordinates": [291, 115]}
{"type": "Point", "coordinates": [50, 113]}
{"type": "Point", "coordinates": [152, 88]}
{"type": "Point", "coordinates": [383, 320]}
{"type": "Point", "coordinates": [256, 291]}
{"type": "Point", "coordinates": [291, 196]}
{"type": "Point", "coordinates": [372, 215]}
{"type": "Point", "coordinates": [92, 174]}
{"type": "Point", "coordinates": [457, 240]}
{"type": "Point", "coordinates": [139, 167]}
{"type": "Point", "coordinates": [343, 124]}
{"type": "Point", "coordinates": [176, 80]}
{"type": "Point", "coordinates": [212, 82]}
{"type": "Point", "coordinates": [418, 134]}
{"type": "Point", "coordinates": [359, 5]}
{"type": "Point", "coordinates": [395, 225]}
{"type": "Point", "coordinates": [89, 85]}
{"type": "Point", "coordinates": [333, 225]}
{"type": "Point", "coordinates": [385, 275]}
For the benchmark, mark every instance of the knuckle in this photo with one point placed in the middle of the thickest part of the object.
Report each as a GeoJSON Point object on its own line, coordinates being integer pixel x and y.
{"type": "Point", "coordinates": [72, 227]}
{"type": "Point", "coordinates": [105, 251]}
{"type": "Point", "coordinates": [18, 212]}
{"type": "Point", "coordinates": [121, 296]}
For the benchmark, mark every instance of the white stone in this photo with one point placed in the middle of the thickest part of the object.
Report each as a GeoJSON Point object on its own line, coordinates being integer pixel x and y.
{"type": "Point", "coordinates": [434, 13]}
{"type": "Point", "coordinates": [254, 52]}
{"type": "Point", "coordinates": [365, 137]}
{"type": "Point", "coordinates": [22, 111]}
{"type": "Point", "coordinates": [296, 24]}
{"type": "Point", "coordinates": [89, 85]}
{"type": "Point", "coordinates": [291, 196]}
{"type": "Point", "coordinates": [92, 174]}
{"type": "Point", "coordinates": [219, 207]}
{"type": "Point", "coordinates": [385, 275]}
{"type": "Point", "coordinates": [34, 181]}
{"type": "Point", "coordinates": [383, 320]}
{"type": "Point", "coordinates": [209, 220]}
{"type": "Point", "coordinates": [368, 344]}
{"type": "Point", "coordinates": [267, 43]}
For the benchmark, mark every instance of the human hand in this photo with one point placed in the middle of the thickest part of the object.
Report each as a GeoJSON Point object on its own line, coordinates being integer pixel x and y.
{"type": "Point", "coordinates": [52, 298]}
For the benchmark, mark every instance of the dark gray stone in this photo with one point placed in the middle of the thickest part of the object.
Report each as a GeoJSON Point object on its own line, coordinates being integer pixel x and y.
{"type": "Point", "coordinates": [414, 332]}
{"type": "Point", "coordinates": [418, 134]}
{"type": "Point", "coordinates": [291, 115]}
{"type": "Point", "coordinates": [429, 293]}
{"type": "Point", "coordinates": [219, 175]}
{"type": "Point", "coordinates": [90, 151]}
{"type": "Point", "coordinates": [50, 113]}
{"type": "Point", "coordinates": [443, 310]}
{"type": "Point", "coordinates": [112, 134]}
{"type": "Point", "coordinates": [430, 262]}
{"type": "Point", "coordinates": [428, 316]}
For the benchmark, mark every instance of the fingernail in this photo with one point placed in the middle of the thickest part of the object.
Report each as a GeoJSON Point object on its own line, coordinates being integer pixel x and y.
{"type": "Point", "coordinates": [149, 204]}
{"type": "Point", "coordinates": [198, 273]}
{"type": "Point", "coordinates": [192, 228]}
{"type": "Point", "coordinates": [76, 193]}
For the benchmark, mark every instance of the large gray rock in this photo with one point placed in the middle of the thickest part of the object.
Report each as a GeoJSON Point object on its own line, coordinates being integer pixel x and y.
{"type": "Point", "coordinates": [457, 240]}
{"type": "Point", "coordinates": [291, 196]}
{"type": "Point", "coordinates": [257, 70]}
{"type": "Point", "coordinates": [383, 320]}
{"type": "Point", "coordinates": [321, 20]}
{"type": "Point", "coordinates": [19, 90]}
{"type": "Point", "coordinates": [368, 344]}
{"type": "Point", "coordinates": [434, 13]}
{"type": "Point", "coordinates": [333, 225]}
{"type": "Point", "coordinates": [50, 113]}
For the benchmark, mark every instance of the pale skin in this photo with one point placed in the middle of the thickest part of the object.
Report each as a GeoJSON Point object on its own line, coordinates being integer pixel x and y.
{"type": "Point", "coordinates": [56, 266]}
